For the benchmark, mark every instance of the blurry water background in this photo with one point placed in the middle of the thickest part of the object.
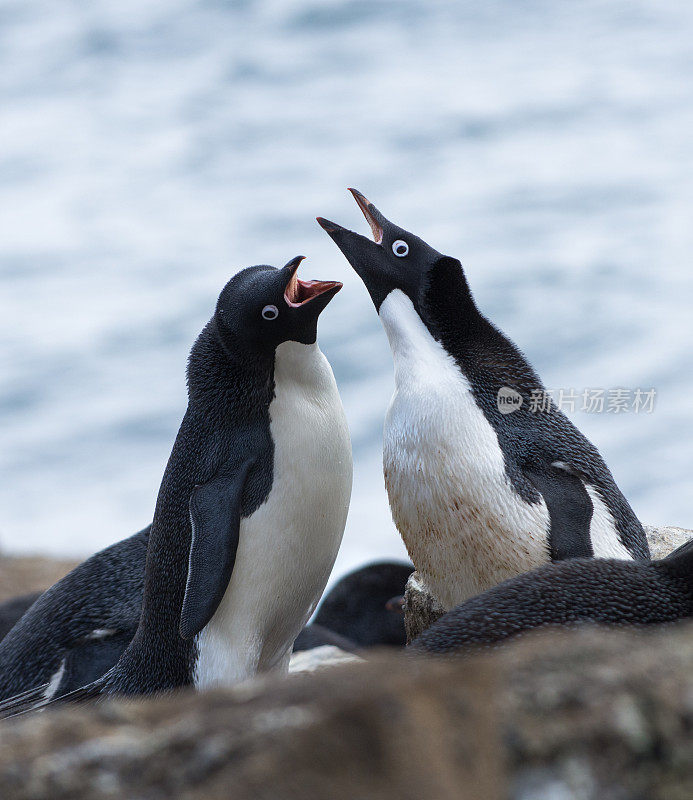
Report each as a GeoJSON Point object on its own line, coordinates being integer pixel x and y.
{"type": "Point", "coordinates": [150, 149]}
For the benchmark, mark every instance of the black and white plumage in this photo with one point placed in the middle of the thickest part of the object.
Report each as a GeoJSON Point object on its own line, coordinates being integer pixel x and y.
{"type": "Point", "coordinates": [568, 593]}
{"type": "Point", "coordinates": [355, 613]}
{"type": "Point", "coordinates": [77, 630]}
{"type": "Point", "coordinates": [477, 495]}
{"type": "Point", "coordinates": [253, 502]}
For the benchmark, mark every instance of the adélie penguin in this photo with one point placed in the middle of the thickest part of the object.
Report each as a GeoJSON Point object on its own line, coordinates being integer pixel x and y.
{"type": "Point", "coordinates": [253, 503]}
{"type": "Point", "coordinates": [355, 614]}
{"type": "Point", "coordinates": [78, 628]}
{"type": "Point", "coordinates": [568, 593]}
{"type": "Point", "coordinates": [478, 495]}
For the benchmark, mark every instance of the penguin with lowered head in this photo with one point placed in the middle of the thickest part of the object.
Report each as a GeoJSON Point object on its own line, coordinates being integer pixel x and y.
{"type": "Point", "coordinates": [478, 495]}
{"type": "Point", "coordinates": [580, 591]}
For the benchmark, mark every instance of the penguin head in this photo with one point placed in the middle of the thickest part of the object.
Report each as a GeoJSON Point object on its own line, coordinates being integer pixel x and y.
{"type": "Point", "coordinates": [263, 306]}
{"type": "Point", "coordinates": [397, 259]}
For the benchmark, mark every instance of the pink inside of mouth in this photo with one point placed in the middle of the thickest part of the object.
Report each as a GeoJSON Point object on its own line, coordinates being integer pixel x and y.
{"type": "Point", "coordinates": [299, 292]}
{"type": "Point", "coordinates": [364, 205]}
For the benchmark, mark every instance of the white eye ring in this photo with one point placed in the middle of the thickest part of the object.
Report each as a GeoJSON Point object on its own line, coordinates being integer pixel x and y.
{"type": "Point", "coordinates": [270, 312]}
{"type": "Point", "coordinates": [400, 248]}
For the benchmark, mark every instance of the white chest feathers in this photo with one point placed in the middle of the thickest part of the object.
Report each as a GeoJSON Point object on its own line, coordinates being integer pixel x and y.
{"type": "Point", "coordinates": [288, 546]}
{"type": "Point", "coordinates": [465, 527]}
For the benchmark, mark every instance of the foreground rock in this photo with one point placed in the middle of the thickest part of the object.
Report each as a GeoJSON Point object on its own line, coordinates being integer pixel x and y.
{"type": "Point", "coordinates": [600, 715]}
{"type": "Point", "coordinates": [384, 729]}
{"type": "Point", "coordinates": [588, 714]}
{"type": "Point", "coordinates": [421, 609]}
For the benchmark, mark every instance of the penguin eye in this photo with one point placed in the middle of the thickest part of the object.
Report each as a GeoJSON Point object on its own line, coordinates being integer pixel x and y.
{"type": "Point", "coordinates": [270, 312]}
{"type": "Point", "coordinates": [400, 248]}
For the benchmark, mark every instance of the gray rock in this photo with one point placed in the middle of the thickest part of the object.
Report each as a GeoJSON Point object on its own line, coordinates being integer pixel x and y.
{"type": "Point", "coordinates": [386, 728]}
{"type": "Point", "coordinates": [319, 658]}
{"type": "Point", "coordinates": [599, 714]}
{"type": "Point", "coordinates": [665, 539]}
{"type": "Point", "coordinates": [588, 714]}
{"type": "Point", "coordinates": [421, 609]}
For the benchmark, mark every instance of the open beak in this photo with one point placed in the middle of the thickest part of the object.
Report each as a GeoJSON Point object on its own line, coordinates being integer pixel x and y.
{"type": "Point", "coordinates": [299, 293]}
{"type": "Point", "coordinates": [373, 217]}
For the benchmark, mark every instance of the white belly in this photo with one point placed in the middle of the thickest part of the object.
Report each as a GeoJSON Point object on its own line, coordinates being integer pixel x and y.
{"type": "Point", "coordinates": [288, 546]}
{"type": "Point", "coordinates": [465, 527]}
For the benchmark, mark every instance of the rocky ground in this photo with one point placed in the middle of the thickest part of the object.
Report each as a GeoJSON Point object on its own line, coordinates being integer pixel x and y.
{"type": "Point", "coordinates": [586, 715]}
{"type": "Point", "coordinates": [571, 715]}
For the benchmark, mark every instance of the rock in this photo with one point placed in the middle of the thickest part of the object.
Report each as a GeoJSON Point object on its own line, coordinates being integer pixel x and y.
{"type": "Point", "coordinates": [421, 609]}
{"type": "Point", "coordinates": [665, 539]}
{"type": "Point", "coordinates": [20, 575]}
{"type": "Point", "coordinates": [587, 714]}
{"type": "Point", "coordinates": [386, 728]}
{"type": "Point", "coordinates": [600, 715]}
{"type": "Point", "coordinates": [319, 658]}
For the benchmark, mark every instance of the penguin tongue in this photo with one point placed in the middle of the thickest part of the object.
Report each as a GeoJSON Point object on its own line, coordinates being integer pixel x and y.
{"type": "Point", "coordinates": [299, 292]}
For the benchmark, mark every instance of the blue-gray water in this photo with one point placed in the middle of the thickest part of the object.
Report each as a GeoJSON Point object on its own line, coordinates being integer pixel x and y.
{"type": "Point", "coordinates": [150, 149]}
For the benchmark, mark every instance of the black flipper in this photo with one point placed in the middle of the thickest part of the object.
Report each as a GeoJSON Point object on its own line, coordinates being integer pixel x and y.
{"type": "Point", "coordinates": [570, 509]}
{"type": "Point", "coordinates": [215, 513]}
{"type": "Point", "coordinates": [89, 659]}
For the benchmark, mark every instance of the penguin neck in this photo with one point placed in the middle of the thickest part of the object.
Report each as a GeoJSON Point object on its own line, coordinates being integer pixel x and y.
{"type": "Point", "coordinates": [222, 379]}
{"type": "Point", "coordinates": [414, 348]}
{"type": "Point", "coordinates": [485, 356]}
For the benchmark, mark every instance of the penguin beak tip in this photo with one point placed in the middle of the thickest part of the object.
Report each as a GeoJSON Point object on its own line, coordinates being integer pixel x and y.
{"type": "Point", "coordinates": [327, 225]}
{"type": "Point", "coordinates": [371, 213]}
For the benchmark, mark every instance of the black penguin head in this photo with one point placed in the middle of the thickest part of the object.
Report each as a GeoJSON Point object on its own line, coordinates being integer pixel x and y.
{"type": "Point", "coordinates": [397, 259]}
{"type": "Point", "coordinates": [358, 606]}
{"type": "Point", "coordinates": [263, 306]}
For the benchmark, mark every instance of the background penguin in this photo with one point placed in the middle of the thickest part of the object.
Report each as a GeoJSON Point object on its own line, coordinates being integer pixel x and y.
{"type": "Point", "coordinates": [354, 613]}
{"type": "Point", "coordinates": [477, 495]}
{"type": "Point", "coordinates": [253, 503]}
{"type": "Point", "coordinates": [77, 630]}
{"type": "Point", "coordinates": [596, 591]}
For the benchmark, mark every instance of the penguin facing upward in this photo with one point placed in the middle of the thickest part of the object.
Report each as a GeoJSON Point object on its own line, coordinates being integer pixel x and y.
{"type": "Point", "coordinates": [477, 495]}
{"type": "Point", "coordinates": [568, 593]}
{"type": "Point", "coordinates": [253, 503]}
